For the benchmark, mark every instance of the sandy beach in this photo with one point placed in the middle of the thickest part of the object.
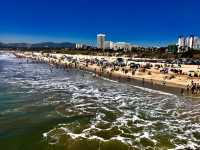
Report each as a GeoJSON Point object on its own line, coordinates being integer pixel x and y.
{"type": "Point", "coordinates": [152, 75]}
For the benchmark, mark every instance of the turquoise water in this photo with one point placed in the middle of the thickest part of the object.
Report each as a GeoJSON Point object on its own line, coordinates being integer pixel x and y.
{"type": "Point", "coordinates": [71, 110]}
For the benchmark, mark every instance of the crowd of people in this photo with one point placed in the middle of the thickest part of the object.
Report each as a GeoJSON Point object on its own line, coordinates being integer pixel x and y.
{"type": "Point", "coordinates": [105, 68]}
{"type": "Point", "coordinates": [193, 88]}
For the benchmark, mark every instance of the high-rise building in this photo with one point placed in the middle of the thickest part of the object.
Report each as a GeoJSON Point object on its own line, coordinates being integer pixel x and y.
{"type": "Point", "coordinates": [196, 42]}
{"type": "Point", "coordinates": [79, 46]}
{"type": "Point", "coordinates": [190, 42]}
{"type": "Point", "coordinates": [101, 41]}
{"type": "Point", "coordinates": [181, 42]}
{"type": "Point", "coordinates": [187, 41]}
{"type": "Point", "coordinates": [102, 44]}
{"type": "Point", "coordinates": [193, 42]}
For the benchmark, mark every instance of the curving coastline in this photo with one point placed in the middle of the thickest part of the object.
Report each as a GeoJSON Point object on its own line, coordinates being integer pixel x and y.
{"type": "Point", "coordinates": [83, 109]}
{"type": "Point", "coordinates": [150, 78]}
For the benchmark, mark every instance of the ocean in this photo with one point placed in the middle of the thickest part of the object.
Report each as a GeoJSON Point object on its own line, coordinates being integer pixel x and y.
{"type": "Point", "coordinates": [56, 109]}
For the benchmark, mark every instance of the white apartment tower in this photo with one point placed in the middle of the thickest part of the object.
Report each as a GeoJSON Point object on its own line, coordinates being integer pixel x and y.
{"type": "Point", "coordinates": [181, 42]}
{"type": "Point", "coordinates": [190, 42]}
{"type": "Point", "coordinates": [187, 41]}
{"type": "Point", "coordinates": [79, 46]}
{"type": "Point", "coordinates": [101, 41]}
{"type": "Point", "coordinates": [196, 43]}
{"type": "Point", "coordinates": [193, 42]}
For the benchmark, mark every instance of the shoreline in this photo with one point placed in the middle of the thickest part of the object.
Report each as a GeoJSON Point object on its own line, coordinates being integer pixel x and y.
{"type": "Point", "coordinates": [138, 82]}
{"type": "Point", "coordinates": [142, 81]}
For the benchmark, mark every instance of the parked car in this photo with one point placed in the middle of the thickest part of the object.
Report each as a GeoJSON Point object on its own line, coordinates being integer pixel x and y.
{"type": "Point", "coordinates": [120, 62]}
{"type": "Point", "coordinates": [129, 62]}
{"type": "Point", "coordinates": [134, 66]}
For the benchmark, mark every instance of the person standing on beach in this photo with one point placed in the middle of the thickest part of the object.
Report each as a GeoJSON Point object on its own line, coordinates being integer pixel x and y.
{"type": "Point", "coordinates": [143, 81]}
{"type": "Point", "coordinates": [198, 88]}
{"type": "Point", "coordinates": [152, 82]}
{"type": "Point", "coordinates": [193, 88]}
{"type": "Point", "coordinates": [188, 89]}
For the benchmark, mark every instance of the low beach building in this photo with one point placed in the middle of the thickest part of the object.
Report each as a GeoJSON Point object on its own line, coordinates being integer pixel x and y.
{"type": "Point", "coordinates": [109, 45]}
{"type": "Point", "coordinates": [122, 45]}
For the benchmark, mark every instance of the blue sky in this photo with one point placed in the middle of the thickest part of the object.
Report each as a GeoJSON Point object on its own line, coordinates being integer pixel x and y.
{"type": "Point", "coordinates": [142, 22]}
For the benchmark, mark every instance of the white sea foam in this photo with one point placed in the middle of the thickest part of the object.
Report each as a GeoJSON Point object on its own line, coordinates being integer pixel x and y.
{"type": "Point", "coordinates": [154, 91]}
{"type": "Point", "coordinates": [133, 106]}
{"type": "Point", "coordinates": [114, 81]}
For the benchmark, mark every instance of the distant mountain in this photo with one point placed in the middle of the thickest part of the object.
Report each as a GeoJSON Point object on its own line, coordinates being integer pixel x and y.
{"type": "Point", "coordinates": [17, 45]}
{"type": "Point", "coordinates": [38, 45]}
{"type": "Point", "coordinates": [1, 44]}
{"type": "Point", "coordinates": [53, 45]}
